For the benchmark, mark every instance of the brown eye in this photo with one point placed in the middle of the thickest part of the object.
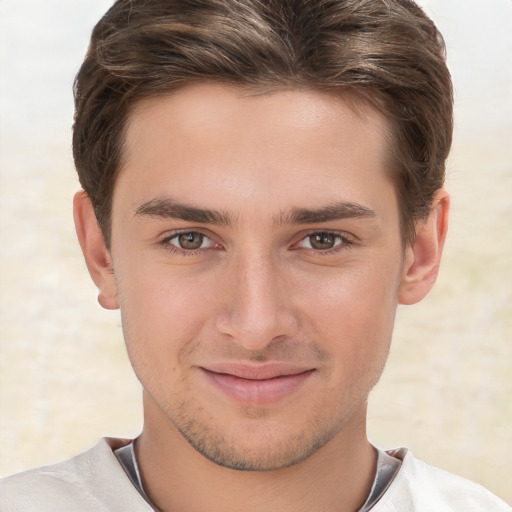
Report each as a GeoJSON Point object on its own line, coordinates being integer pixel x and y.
{"type": "Point", "coordinates": [323, 241]}
{"type": "Point", "coordinates": [189, 241]}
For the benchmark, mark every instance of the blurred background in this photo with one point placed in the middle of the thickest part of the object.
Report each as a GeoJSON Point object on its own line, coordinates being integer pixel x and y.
{"type": "Point", "coordinates": [64, 377]}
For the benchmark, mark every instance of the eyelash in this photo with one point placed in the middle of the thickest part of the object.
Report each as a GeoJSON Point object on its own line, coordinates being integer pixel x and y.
{"type": "Point", "coordinates": [165, 243]}
{"type": "Point", "coordinates": [345, 242]}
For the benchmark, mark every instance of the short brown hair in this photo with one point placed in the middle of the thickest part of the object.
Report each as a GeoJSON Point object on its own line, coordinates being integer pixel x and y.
{"type": "Point", "coordinates": [387, 52]}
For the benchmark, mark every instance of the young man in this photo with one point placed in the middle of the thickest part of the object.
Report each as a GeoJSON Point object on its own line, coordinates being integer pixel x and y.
{"type": "Point", "coordinates": [262, 187]}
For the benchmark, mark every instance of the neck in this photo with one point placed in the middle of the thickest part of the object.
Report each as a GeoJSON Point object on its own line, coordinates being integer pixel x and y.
{"type": "Point", "coordinates": [337, 477]}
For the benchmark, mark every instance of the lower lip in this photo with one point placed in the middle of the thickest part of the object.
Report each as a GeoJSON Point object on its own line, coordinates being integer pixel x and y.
{"type": "Point", "coordinates": [257, 392]}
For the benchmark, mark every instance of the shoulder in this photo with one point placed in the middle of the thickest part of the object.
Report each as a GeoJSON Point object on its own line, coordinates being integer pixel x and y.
{"type": "Point", "coordinates": [419, 487]}
{"type": "Point", "coordinates": [91, 481]}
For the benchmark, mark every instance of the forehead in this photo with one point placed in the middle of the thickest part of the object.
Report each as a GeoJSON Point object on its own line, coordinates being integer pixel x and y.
{"type": "Point", "coordinates": [213, 143]}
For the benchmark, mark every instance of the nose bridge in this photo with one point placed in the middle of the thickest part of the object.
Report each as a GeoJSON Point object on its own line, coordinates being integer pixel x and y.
{"type": "Point", "coordinates": [257, 311]}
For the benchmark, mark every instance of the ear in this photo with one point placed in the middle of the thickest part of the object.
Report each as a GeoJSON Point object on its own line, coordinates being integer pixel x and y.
{"type": "Point", "coordinates": [422, 258]}
{"type": "Point", "coordinates": [97, 256]}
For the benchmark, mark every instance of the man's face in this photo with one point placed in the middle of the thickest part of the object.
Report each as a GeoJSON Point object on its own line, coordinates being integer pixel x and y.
{"type": "Point", "coordinates": [257, 253]}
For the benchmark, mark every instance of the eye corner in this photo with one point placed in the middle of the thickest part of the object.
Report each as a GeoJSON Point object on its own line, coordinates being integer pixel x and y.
{"type": "Point", "coordinates": [188, 242]}
{"type": "Point", "coordinates": [325, 242]}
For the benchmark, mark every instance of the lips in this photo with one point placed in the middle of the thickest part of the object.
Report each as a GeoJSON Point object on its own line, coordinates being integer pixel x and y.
{"type": "Point", "coordinates": [257, 384]}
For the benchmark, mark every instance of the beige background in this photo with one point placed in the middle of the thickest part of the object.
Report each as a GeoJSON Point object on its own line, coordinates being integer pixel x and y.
{"type": "Point", "coordinates": [64, 376]}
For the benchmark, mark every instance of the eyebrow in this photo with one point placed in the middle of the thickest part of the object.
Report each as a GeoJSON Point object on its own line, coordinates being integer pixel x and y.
{"type": "Point", "coordinates": [168, 208]}
{"type": "Point", "coordinates": [336, 211]}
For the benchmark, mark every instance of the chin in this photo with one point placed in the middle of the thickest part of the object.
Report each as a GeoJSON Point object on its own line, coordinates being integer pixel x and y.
{"type": "Point", "coordinates": [257, 447]}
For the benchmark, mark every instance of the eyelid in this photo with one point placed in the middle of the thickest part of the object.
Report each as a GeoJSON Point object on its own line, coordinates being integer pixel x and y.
{"type": "Point", "coordinates": [171, 233]}
{"type": "Point", "coordinates": [164, 241]}
{"type": "Point", "coordinates": [347, 241]}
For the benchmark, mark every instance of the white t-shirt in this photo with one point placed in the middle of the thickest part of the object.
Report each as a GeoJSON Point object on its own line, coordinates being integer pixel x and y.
{"type": "Point", "coordinates": [95, 481]}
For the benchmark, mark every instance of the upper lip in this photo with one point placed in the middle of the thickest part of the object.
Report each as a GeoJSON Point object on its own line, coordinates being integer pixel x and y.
{"type": "Point", "coordinates": [261, 371]}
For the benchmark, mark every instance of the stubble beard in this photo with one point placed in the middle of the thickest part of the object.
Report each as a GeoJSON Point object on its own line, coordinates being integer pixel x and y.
{"type": "Point", "coordinates": [279, 445]}
{"type": "Point", "coordinates": [270, 454]}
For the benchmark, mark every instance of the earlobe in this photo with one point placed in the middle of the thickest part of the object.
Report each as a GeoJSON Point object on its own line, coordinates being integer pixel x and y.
{"type": "Point", "coordinates": [422, 258]}
{"type": "Point", "coordinates": [97, 256]}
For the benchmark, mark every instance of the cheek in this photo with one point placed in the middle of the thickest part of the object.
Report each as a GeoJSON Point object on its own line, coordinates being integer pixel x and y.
{"type": "Point", "coordinates": [162, 312]}
{"type": "Point", "coordinates": [353, 311]}
{"type": "Point", "coordinates": [352, 294]}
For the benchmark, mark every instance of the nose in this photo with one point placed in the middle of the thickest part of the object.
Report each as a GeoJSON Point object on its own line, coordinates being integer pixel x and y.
{"type": "Point", "coordinates": [258, 306]}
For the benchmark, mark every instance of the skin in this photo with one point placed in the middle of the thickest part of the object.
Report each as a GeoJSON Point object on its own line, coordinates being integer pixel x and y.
{"type": "Point", "coordinates": [257, 233]}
